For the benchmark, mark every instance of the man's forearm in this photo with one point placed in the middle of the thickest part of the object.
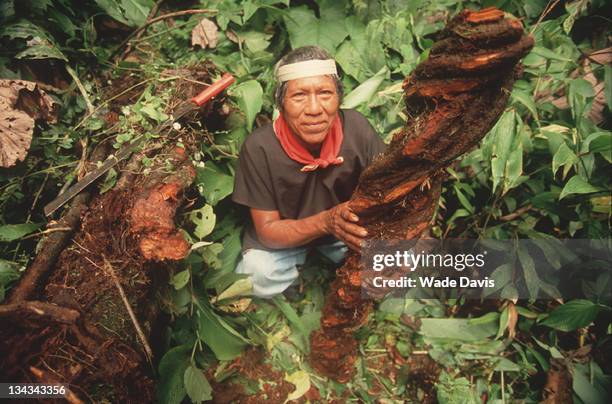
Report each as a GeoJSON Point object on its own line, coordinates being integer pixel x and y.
{"type": "Point", "coordinates": [287, 233]}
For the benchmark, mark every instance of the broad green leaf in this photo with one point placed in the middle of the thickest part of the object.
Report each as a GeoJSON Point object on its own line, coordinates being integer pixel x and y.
{"type": "Point", "coordinates": [572, 315]}
{"type": "Point", "coordinates": [586, 386]}
{"type": "Point", "coordinates": [9, 272]}
{"type": "Point", "coordinates": [210, 255]}
{"type": "Point", "coordinates": [486, 318]}
{"type": "Point", "coordinates": [238, 288]}
{"type": "Point", "coordinates": [204, 220]}
{"type": "Point", "coordinates": [214, 184]}
{"type": "Point", "coordinates": [564, 157]}
{"type": "Point", "coordinates": [548, 54]}
{"type": "Point", "coordinates": [180, 280]}
{"type": "Point", "coordinates": [363, 55]}
{"type": "Point", "coordinates": [249, 96]}
{"type": "Point", "coordinates": [12, 232]}
{"type": "Point", "coordinates": [305, 28]}
{"type": "Point", "coordinates": [130, 12]}
{"type": "Point", "coordinates": [223, 340]}
{"type": "Point", "coordinates": [456, 328]}
{"type": "Point", "coordinates": [42, 50]}
{"type": "Point", "coordinates": [599, 142]}
{"type": "Point", "coordinates": [294, 320]}
{"type": "Point", "coordinates": [531, 277]}
{"type": "Point", "coordinates": [301, 380]}
{"type": "Point", "coordinates": [527, 100]}
{"type": "Point", "coordinates": [171, 389]}
{"type": "Point", "coordinates": [366, 90]}
{"type": "Point", "coordinates": [196, 385]}
{"type": "Point", "coordinates": [577, 185]}
{"type": "Point", "coordinates": [514, 168]}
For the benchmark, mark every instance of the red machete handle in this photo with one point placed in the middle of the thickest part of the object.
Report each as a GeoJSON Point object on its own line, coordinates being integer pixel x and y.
{"type": "Point", "coordinates": [214, 89]}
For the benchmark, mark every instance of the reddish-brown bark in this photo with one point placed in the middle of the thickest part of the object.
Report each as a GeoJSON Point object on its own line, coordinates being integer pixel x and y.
{"type": "Point", "coordinates": [453, 99]}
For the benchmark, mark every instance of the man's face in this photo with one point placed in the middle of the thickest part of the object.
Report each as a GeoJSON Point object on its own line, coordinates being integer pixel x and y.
{"type": "Point", "coordinates": [310, 107]}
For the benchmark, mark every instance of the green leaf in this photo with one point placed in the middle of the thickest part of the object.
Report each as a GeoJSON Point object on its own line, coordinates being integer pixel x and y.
{"type": "Point", "coordinates": [238, 288]}
{"type": "Point", "coordinates": [548, 54]}
{"type": "Point", "coordinates": [363, 55]}
{"type": "Point", "coordinates": [130, 12]}
{"type": "Point", "coordinates": [204, 220]}
{"type": "Point", "coordinates": [456, 328]}
{"type": "Point", "coordinates": [577, 185]}
{"type": "Point", "coordinates": [249, 96]}
{"type": "Point", "coordinates": [564, 157]}
{"type": "Point", "coordinates": [305, 28]}
{"type": "Point", "coordinates": [210, 255]}
{"type": "Point", "coordinates": [44, 50]}
{"type": "Point", "coordinates": [572, 315]}
{"type": "Point", "coordinates": [296, 322]}
{"type": "Point", "coordinates": [171, 389]}
{"type": "Point", "coordinates": [180, 280]}
{"type": "Point", "coordinates": [9, 272]}
{"type": "Point", "coordinates": [214, 184]}
{"type": "Point", "coordinates": [196, 385]}
{"type": "Point", "coordinates": [225, 342]}
{"type": "Point", "coordinates": [366, 90]}
{"type": "Point", "coordinates": [531, 277]}
{"type": "Point", "coordinates": [599, 142]}
{"type": "Point", "coordinates": [527, 100]}
{"type": "Point", "coordinates": [12, 232]}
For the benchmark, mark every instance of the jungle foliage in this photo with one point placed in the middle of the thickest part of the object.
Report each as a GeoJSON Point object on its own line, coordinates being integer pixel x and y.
{"type": "Point", "coordinates": [542, 172]}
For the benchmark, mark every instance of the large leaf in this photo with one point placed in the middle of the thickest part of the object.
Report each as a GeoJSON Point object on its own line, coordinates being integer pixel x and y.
{"type": "Point", "coordinates": [305, 28]}
{"type": "Point", "coordinates": [249, 96]}
{"type": "Point", "coordinates": [11, 232]}
{"type": "Point", "coordinates": [363, 55]}
{"type": "Point", "coordinates": [456, 328]}
{"type": "Point", "coordinates": [366, 90]}
{"type": "Point", "coordinates": [572, 315]}
{"type": "Point", "coordinates": [197, 387]}
{"type": "Point", "coordinates": [564, 157]}
{"type": "Point", "coordinates": [129, 12]}
{"type": "Point", "coordinates": [9, 272]}
{"type": "Point", "coordinates": [213, 183]}
{"type": "Point", "coordinates": [577, 185]}
{"type": "Point", "coordinates": [171, 389]}
{"type": "Point", "coordinates": [222, 339]}
{"type": "Point", "coordinates": [204, 220]}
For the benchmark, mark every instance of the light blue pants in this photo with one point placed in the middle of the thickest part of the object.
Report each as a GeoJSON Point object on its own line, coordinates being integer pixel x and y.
{"type": "Point", "coordinates": [274, 271]}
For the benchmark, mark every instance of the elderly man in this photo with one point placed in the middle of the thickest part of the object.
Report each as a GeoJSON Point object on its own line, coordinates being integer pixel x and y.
{"type": "Point", "coordinates": [296, 174]}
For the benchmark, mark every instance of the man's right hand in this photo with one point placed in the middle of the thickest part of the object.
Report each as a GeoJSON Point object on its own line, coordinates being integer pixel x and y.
{"type": "Point", "coordinates": [340, 221]}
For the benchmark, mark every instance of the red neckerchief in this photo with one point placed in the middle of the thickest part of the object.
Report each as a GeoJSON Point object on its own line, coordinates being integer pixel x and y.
{"type": "Point", "coordinates": [294, 149]}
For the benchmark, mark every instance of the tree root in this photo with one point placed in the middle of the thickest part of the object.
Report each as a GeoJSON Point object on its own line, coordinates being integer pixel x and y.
{"type": "Point", "coordinates": [453, 99]}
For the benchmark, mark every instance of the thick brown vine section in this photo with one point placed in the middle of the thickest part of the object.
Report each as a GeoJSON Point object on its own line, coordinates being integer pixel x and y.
{"type": "Point", "coordinates": [453, 99]}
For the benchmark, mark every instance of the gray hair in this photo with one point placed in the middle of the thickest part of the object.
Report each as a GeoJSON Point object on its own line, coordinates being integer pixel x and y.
{"type": "Point", "coordinates": [302, 54]}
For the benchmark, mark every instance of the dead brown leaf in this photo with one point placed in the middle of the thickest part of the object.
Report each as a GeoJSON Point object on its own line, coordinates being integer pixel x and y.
{"type": "Point", "coordinates": [21, 103]}
{"type": "Point", "coordinates": [602, 56]}
{"type": "Point", "coordinates": [205, 34]}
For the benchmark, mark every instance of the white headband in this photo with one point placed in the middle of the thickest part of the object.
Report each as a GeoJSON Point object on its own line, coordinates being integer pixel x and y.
{"type": "Point", "coordinates": [308, 68]}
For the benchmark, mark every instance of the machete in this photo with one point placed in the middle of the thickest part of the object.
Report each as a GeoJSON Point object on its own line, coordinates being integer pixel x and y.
{"type": "Point", "coordinates": [184, 108]}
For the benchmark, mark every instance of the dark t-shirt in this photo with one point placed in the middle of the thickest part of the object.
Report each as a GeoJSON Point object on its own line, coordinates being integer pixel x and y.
{"type": "Point", "coordinates": [267, 179]}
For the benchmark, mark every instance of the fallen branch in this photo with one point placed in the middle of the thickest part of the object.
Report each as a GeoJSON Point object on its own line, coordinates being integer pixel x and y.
{"type": "Point", "coordinates": [53, 245]}
{"type": "Point", "coordinates": [40, 310]}
{"type": "Point", "coordinates": [516, 214]}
